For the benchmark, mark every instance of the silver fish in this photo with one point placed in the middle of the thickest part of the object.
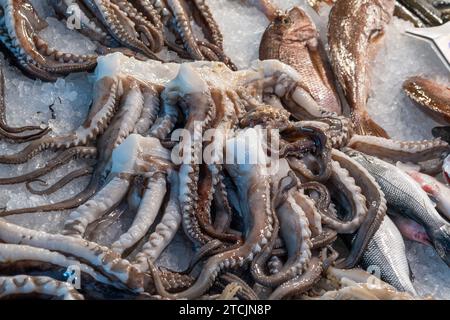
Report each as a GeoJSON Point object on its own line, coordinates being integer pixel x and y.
{"type": "Point", "coordinates": [386, 251]}
{"type": "Point", "coordinates": [405, 197]}
{"type": "Point", "coordinates": [436, 190]}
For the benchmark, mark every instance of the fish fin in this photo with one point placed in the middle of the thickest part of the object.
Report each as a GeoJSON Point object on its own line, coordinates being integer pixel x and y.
{"type": "Point", "coordinates": [364, 125]}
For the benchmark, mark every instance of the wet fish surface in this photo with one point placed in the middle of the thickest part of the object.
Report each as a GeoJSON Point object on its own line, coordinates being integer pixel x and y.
{"type": "Point", "coordinates": [438, 192]}
{"type": "Point", "coordinates": [386, 251]}
{"type": "Point", "coordinates": [410, 229]}
{"type": "Point", "coordinates": [405, 197]}
{"type": "Point", "coordinates": [355, 28]}
{"type": "Point", "coordinates": [432, 97]}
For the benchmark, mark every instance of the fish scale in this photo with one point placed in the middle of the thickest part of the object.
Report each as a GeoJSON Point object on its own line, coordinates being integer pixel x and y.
{"type": "Point", "coordinates": [407, 198]}
{"type": "Point", "coordinates": [386, 250]}
{"type": "Point", "coordinates": [402, 192]}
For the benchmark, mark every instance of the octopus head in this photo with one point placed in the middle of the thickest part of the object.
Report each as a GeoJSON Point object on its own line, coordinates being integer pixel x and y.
{"type": "Point", "coordinates": [137, 154]}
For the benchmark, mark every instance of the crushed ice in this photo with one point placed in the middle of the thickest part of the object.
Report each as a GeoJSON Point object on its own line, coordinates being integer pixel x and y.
{"type": "Point", "coordinates": [64, 104]}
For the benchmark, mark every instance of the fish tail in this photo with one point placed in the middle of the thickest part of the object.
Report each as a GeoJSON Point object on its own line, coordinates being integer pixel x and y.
{"type": "Point", "coordinates": [364, 125]}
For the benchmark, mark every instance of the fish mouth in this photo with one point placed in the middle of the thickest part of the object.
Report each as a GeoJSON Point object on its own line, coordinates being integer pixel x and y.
{"type": "Point", "coordinates": [441, 242]}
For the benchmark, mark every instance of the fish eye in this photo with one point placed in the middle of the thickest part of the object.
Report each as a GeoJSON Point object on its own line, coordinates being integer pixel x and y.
{"type": "Point", "coordinates": [283, 20]}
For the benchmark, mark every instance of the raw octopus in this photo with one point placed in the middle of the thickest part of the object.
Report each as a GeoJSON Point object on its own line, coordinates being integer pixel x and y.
{"type": "Point", "coordinates": [256, 169]}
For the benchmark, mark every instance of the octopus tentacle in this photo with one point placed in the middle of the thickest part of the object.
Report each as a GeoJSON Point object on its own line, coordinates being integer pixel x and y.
{"type": "Point", "coordinates": [222, 207]}
{"type": "Point", "coordinates": [316, 165]}
{"type": "Point", "coordinates": [283, 81]}
{"type": "Point", "coordinates": [179, 50]}
{"type": "Point", "coordinates": [32, 149]}
{"type": "Point", "coordinates": [207, 53]}
{"type": "Point", "coordinates": [324, 239]}
{"type": "Point", "coordinates": [106, 199]}
{"type": "Point", "coordinates": [165, 123]}
{"type": "Point", "coordinates": [253, 183]}
{"type": "Point", "coordinates": [134, 157]}
{"type": "Point", "coordinates": [215, 54]}
{"type": "Point", "coordinates": [317, 199]}
{"type": "Point", "coordinates": [5, 132]}
{"type": "Point", "coordinates": [205, 191]}
{"type": "Point", "coordinates": [212, 188]}
{"type": "Point", "coordinates": [341, 180]}
{"type": "Point", "coordinates": [230, 291]}
{"type": "Point", "coordinates": [152, 37]}
{"type": "Point", "coordinates": [131, 106]}
{"type": "Point", "coordinates": [404, 151]}
{"type": "Point", "coordinates": [30, 51]}
{"type": "Point", "coordinates": [34, 55]}
{"type": "Point", "coordinates": [151, 33]}
{"type": "Point", "coordinates": [100, 115]}
{"type": "Point", "coordinates": [203, 252]}
{"type": "Point", "coordinates": [150, 109]}
{"type": "Point", "coordinates": [149, 11]}
{"type": "Point", "coordinates": [99, 257]}
{"type": "Point", "coordinates": [183, 26]}
{"type": "Point", "coordinates": [90, 26]}
{"type": "Point", "coordinates": [12, 133]}
{"type": "Point", "coordinates": [119, 25]}
{"type": "Point", "coordinates": [189, 170]}
{"type": "Point", "coordinates": [301, 283]}
{"type": "Point", "coordinates": [59, 184]}
{"type": "Point", "coordinates": [340, 130]}
{"type": "Point", "coordinates": [245, 292]}
{"type": "Point", "coordinates": [164, 231]}
{"type": "Point", "coordinates": [327, 237]}
{"type": "Point", "coordinates": [70, 203]}
{"type": "Point", "coordinates": [204, 17]}
{"type": "Point", "coordinates": [151, 202]}
{"type": "Point", "coordinates": [62, 63]}
{"type": "Point", "coordinates": [309, 208]}
{"type": "Point", "coordinates": [25, 285]}
{"type": "Point", "coordinates": [376, 203]}
{"type": "Point", "coordinates": [130, 109]}
{"type": "Point", "coordinates": [207, 186]}
{"type": "Point", "coordinates": [63, 158]}
{"type": "Point", "coordinates": [295, 231]}
{"type": "Point", "coordinates": [173, 281]}
{"type": "Point", "coordinates": [18, 258]}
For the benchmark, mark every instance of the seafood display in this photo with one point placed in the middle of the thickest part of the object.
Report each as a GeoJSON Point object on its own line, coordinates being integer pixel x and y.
{"type": "Point", "coordinates": [183, 175]}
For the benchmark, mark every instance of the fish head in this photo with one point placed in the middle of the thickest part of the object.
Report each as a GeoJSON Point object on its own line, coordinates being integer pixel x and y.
{"type": "Point", "coordinates": [292, 26]}
{"type": "Point", "coordinates": [297, 26]}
